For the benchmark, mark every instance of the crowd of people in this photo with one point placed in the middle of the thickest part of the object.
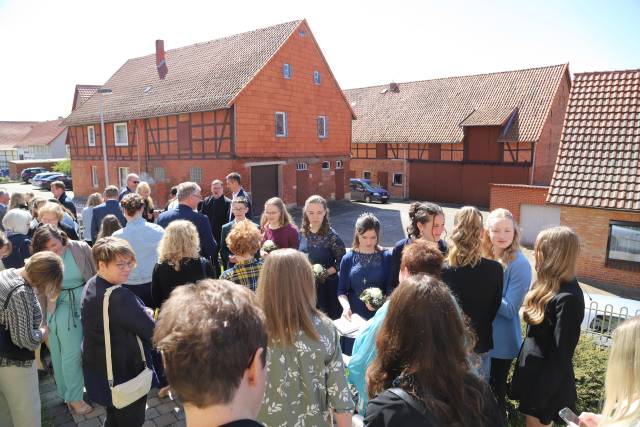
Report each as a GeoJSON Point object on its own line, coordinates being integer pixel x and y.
{"type": "Point", "coordinates": [236, 319]}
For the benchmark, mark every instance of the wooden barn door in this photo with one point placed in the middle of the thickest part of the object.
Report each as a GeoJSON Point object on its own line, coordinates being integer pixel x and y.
{"type": "Point", "coordinates": [303, 184]}
{"type": "Point", "coordinates": [383, 179]}
{"type": "Point", "coordinates": [264, 185]}
{"type": "Point", "coordinates": [339, 184]}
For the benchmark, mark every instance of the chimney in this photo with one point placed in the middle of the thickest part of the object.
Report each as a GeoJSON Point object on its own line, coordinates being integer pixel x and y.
{"type": "Point", "coordinates": [161, 63]}
{"type": "Point", "coordinates": [394, 87]}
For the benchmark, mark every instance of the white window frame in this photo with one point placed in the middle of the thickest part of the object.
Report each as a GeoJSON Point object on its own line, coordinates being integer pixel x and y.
{"type": "Point", "coordinates": [364, 173]}
{"type": "Point", "coordinates": [324, 127]}
{"type": "Point", "coordinates": [284, 122]}
{"type": "Point", "coordinates": [328, 165]}
{"type": "Point", "coordinates": [126, 134]}
{"type": "Point", "coordinates": [95, 182]}
{"type": "Point", "coordinates": [122, 176]}
{"type": "Point", "coordinates": [302, 166]}
{"type": "Point", "coordinates": [316, 77]}
{"type": "Point", "coordinates": [286, 71]}
{"type": "Point", "coordinates": [339, 164]}
{"type": "Point", "coordinates": [195, 174]}
{"type": "Point", "coordinates": [91, 130]}
{"type": "Point", "coordinates": [393, 181]}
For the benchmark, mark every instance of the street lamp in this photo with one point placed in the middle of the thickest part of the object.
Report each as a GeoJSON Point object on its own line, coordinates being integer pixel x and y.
{"type": "Point", "coordinates": [102, 92]}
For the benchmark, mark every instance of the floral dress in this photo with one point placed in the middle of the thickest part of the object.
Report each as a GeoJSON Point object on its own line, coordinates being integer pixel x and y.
{"type": "Point", "coordinates": [306, 381]}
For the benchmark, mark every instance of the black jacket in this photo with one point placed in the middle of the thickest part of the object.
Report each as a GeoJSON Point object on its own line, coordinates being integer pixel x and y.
{"type": "Point", "coordinates": [109, 207]}
{"type": "Point", "coordinates": [217, 210]}
{"type": "Point", "coordinates": [68, 204]}
{"type": "Point", "coordinates": [479, 293]}
{"type": "Point", "coordinates": [208, 245]}
{"type": "Point", "coordinates": [165, 278]}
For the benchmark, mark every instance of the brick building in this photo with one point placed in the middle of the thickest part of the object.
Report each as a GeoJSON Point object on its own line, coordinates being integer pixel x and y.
{"type": "Point", "coordinates": [264, 103]}
{"type": "Point", "coordinates": [447, 139]}
{"type": "Point", "coordinates": [596, 181]}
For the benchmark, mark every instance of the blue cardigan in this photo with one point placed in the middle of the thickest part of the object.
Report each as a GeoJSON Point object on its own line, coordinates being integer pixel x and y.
{"type": "Point", "coordinates": [507, 335]}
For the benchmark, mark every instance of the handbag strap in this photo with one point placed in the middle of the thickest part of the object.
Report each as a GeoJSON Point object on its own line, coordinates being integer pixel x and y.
{"type": "Point", "coordinates": [107, 335]}
{"type": "Point", "coordinates": [203, 268]}
{"type": "Point", "coordinates": [6, 302]}
{"type": "Point", "coordinates": [414, 403]}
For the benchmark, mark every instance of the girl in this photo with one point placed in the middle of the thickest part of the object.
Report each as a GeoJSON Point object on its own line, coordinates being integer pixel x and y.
{"type": "Point", "coordinates": [276, 225]}
{"type": "Point", "coordinates": [543, 381]}
{"type": "Point", "coordinates": [87, 212]}
{"type": "Point", "coordinates": [502, 243]}
{"type": "Point", "coordinates": [323, 246]}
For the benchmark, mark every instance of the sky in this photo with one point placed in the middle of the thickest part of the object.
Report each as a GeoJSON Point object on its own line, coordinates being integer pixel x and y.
{"type": "Point", "coordinates": [47, 47]}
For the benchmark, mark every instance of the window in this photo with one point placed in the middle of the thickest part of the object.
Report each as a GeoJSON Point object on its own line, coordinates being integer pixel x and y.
{"type": "Point", "coordinates": [302, 166]}
{"type": "Point", "coordinates": [366, 174]}
{"type": "Point", "coordinates": [397, 179]}
{"type": "Point", "coordinates": [623, 248]}
{"type": "Point", "coordinates": [159, 174]}
{"type": "Point", "coordinates": [94, 176]}
{"type": "Point", "coordinates": [316, 77]}
{"type": "Point", "coordinates": [286, 71]}
{"type": "Point", "coordinates": [120, 132]}
{"type": "Point", "coordinates": [91, 136]}
{"type": "Point", "coordinates": [281, 124]}
{"type": "Point", "coordinates": [326, 166]}
{"type": "Point", "coordinates": [322, 126]}
{"type": "Point", "coordinates": [338, 164]}
{"type": "Point", "coordinates": [195, 174]}
{"type": "Point", "coordinates": [122, 176]}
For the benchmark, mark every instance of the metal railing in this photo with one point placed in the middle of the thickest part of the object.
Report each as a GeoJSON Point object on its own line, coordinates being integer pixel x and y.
{"type": "Point", "coordinates": [601, 322]}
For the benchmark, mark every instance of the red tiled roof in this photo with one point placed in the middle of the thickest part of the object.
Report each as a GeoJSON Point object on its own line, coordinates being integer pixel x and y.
{"type": "Point", "coordinates": [42, 133]}
{"type": "Point", "coordinates": [435, 110]}
{"type": "Point", "coordinates": [12, 132]}
{"type": "Point", "coordinates": [82, 93]}
{"type": "Point", "coordinates": [598, 164]}
{"type": "Point", "coordinates": [202, 77]}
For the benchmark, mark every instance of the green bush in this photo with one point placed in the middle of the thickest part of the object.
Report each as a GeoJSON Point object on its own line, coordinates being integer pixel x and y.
{"type": "Point", "coordinates": [63, 166]}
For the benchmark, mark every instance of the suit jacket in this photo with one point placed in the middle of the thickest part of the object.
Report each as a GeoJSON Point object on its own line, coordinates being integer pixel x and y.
{"type": "Point", "coordinates": [242, 193]}
{"type": "Point", "coordinates": [110, 207]}
{"type": "Point", "coordinates": [224, 249]}
{"type": "Point", "coordinates": [123, 193]}
{"type": "Point", "coordinates": [67, 203]}
{"type": "Point", "coordinates": [217, 210]}
{"type": "Point", "coordinates": [3, 210]}
{"type": "Point", "coordinates": [208, 245]}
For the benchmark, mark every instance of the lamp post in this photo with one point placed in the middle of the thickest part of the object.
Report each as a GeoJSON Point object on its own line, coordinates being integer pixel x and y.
{"type": "Point", "coordinates": [102, 92]}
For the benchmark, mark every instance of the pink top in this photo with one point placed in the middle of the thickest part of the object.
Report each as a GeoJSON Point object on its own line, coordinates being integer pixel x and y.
{"type": "Point", "coordinates": [283, 237]}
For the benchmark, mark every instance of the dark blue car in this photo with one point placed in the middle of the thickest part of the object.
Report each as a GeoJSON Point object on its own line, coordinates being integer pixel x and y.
{"type": "Point", "coordinates": [362, 189]}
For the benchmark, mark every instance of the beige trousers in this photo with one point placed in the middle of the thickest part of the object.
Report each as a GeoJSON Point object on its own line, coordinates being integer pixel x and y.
{"type": "Point", "coordinates": [19, 397]}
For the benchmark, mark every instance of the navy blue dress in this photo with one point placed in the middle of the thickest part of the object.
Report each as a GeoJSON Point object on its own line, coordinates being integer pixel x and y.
{"type": "Point", "coordinates": [327, 250]}
{"type": "Point", "coordinates": [396, 258]}
{"type": "Point", "coordinates": [360, 271]}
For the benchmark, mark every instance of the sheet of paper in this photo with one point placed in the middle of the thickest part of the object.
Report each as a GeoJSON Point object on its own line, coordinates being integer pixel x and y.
{"type": "Point", "coordinates": [349, 328]}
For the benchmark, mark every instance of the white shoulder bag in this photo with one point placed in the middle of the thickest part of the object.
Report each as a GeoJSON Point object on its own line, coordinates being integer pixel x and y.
{"type": "Point", "coordinates": [128, 392]}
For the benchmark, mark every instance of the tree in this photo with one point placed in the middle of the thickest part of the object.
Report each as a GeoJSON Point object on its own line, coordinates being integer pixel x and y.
{"type": "Point", "coordinates": [63, 166]}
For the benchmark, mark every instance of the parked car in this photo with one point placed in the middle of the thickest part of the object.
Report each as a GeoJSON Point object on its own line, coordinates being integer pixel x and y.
{"type": "Point", "coordinates": [27, 174]}
{"type": "Point", "coordinates": [37, 179]}
{"type": "Point", "coordinates": [603, 313]}
{"type": "Point", "coordinates": [362, 189]}
{"type": "Point", "coordinates": [46, 181]}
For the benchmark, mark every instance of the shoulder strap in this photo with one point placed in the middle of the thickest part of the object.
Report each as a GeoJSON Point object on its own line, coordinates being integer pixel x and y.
{"type": "Point", "coordinates": [203, 268]}
{"type": "Point", "coordinates": [6, 302]}
{"type": "Point", "coordinates": [107, 335]}
{"type": "Point", "coordinates": [417, 405]}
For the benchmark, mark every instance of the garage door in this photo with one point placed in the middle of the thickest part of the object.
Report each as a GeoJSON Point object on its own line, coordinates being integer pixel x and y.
{"type": "Point", "coordinates": [535, 218]}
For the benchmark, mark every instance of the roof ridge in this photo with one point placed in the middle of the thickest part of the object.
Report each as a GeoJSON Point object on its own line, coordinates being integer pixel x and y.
{"type": "Point", "coordinates": [218, 39]}
{"type": "Point", "coordinates": [463, 76]}
{"type": "Point", "coordinates": [585, 73]}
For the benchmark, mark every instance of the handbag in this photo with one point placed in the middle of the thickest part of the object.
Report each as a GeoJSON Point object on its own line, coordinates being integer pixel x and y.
{"type": "Point", "coordinates": [7, 348]}
{"type": "Point", "coordinates": [414, 403]}
{"type": "Point", "coordinates": [124, 394]}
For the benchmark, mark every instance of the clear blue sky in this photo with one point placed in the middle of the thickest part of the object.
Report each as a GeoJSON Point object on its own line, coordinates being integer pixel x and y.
{"type": "Point", "coordinates": [49, 46]}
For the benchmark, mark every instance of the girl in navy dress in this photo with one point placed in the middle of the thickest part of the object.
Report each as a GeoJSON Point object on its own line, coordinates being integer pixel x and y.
{"type": "Point", "coordinates": [324, 247]}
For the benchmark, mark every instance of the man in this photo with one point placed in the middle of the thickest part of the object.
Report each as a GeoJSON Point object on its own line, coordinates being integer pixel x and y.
{"type": "Point", "coordinates": [132, 183]}
{"type": "Point", "coordinates": [189, 195]}
{"type": "Point", "coordinates": [58, 190]}
{"type": "Point", "coordinates": [213, 341]}
{"type": "Point", "coordinates": [239, 207]}
{"type": "Point", "coordinates": [111, 206]}
{"type": "Point", "coordinates": [233, 182]}
{"type": "Point", "coordinates": [216, 208]}
{"type": "Point", "coordinates": [4, 201]}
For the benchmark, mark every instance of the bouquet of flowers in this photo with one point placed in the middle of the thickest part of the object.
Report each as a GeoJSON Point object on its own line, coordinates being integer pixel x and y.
{"type": "Point", "coordinates": [373, 298]}
{"type": "Point", "coordinates": [320, 273]}
{"type": "Point", "coordinates": [268, 246]}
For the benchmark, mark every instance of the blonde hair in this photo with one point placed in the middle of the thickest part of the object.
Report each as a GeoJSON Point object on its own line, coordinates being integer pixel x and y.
{"type": "Point", "coordinates": [285, 216]}
{"type": "Point", "coordinates": [509, 254]}
{"type": "Point", "coordinates": [180, 241]}
{"type": "Point", "coordinates": [143, 185]}
{"type": "Point", "coordinates": [466, 238]}
{"type": "Point", "coordinates": [94, 200]}
{"type": "Point", "coordinates": [556, 252]}
{"type": "Point", "coordinates": [17, 200]}
{"type": "Point", "coordinates": [53, 208]}
{"type": "Point", "coordinates": [44, 272]}
{"type": "Point", "coordinates": [287, 294]}
{"type": "Point", "coordinates": [622, 382]}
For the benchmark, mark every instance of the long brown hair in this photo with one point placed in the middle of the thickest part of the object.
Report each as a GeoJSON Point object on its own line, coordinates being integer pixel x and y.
{"type": "Point", "coordinates": [285, 216]}
{"type": "Point", "coordinates": [365, 222]}
{"type": "Point", "coordinates": [466, 238]}
{"type": "Point", "coordinates": [287, 294]}
{"type": "Point", "coordinates": [423, 213]}
{"type": "Point", "coordinates": [306, 226]}
{"type": "Point", "coordinates": [425, 343]}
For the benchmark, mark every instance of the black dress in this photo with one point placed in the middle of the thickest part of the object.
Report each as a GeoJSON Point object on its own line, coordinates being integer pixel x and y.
{"type": "Point", "coordinates": [543, 381]}
{"type": "Point", "coordinates": [165, 278]}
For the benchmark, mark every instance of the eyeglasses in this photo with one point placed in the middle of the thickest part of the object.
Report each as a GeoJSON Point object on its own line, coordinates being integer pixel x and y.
{"type": "Point", "coordinates": [125, 265]}
{"type": "Point", "coordinates": [136, 182]}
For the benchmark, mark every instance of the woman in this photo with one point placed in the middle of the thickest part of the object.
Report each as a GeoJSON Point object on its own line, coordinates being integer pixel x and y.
{"type": "Point", "coordinates": [144, 191]}
{"type": "Point", "coordinates": [87, 213]}
{"type": "Point", "coordinates": [5, 248]}
{"type": "Point", "coordinates": [622, 388]}
{"type": "Point", "coordinates": [128, 320]}
{"type": "Point", "coordinates": [16, 226]}
{"type": "Point", "coordinates": [305, 373]}
{"type": "Point", "coordinates": [63, 314]}
{"type": "Point", "coordinates": [35, 204]}
{"type": "Point", "coordinates": [543, 381]}
{"type": "Point", "coordinates": [276, 225]}
{"type": "Point", "coordinates": [502, 243]}
{"type": "Point", "coordinates": [243, 242]}
{"type": "Point", "coordinates": [179, 261]}
{"type": "Point", "coordinates": [427, 222]}
{"type": "Point", "coordinates": [421, 375]}
{"type": "Point", "coordinates": [324, 247]}
{"type": "Point", "coordinates": [475, 281]}
{"type": "Point", "coordinates": [52, 213]}
{"type": "Point", "coordinates": [110, 224]}
{"type": "Point", "coordinates": [22, 333]}
{"type": "Point", "coordinates": [144, 238]}
{"type": "Point", "coordinates": [17, 201]}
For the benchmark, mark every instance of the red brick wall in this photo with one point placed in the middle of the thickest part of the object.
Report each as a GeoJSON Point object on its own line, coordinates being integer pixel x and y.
{"type": "Point", "coordinates": [15, 169]}
{"type": "Point", "coordinates": [592, 225]}
{"type": "Point", "coordinates": [300, 98]}
{"type": "Point", "coordinates": [546, 149]}
{"type": "Point", "coordinates": [389, 166]}
{"type": "Point", "coordinates": [510, 197]}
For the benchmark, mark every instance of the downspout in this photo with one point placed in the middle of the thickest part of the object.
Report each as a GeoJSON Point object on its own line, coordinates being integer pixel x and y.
{"type": "Point", "coordinates": [406, 177]}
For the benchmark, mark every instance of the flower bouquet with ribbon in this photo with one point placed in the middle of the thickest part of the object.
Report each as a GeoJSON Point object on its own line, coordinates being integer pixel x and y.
{"type": "Point", "coordinates": [372, 298]}
{"type": "Point", "coordinates": [320, 273]}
